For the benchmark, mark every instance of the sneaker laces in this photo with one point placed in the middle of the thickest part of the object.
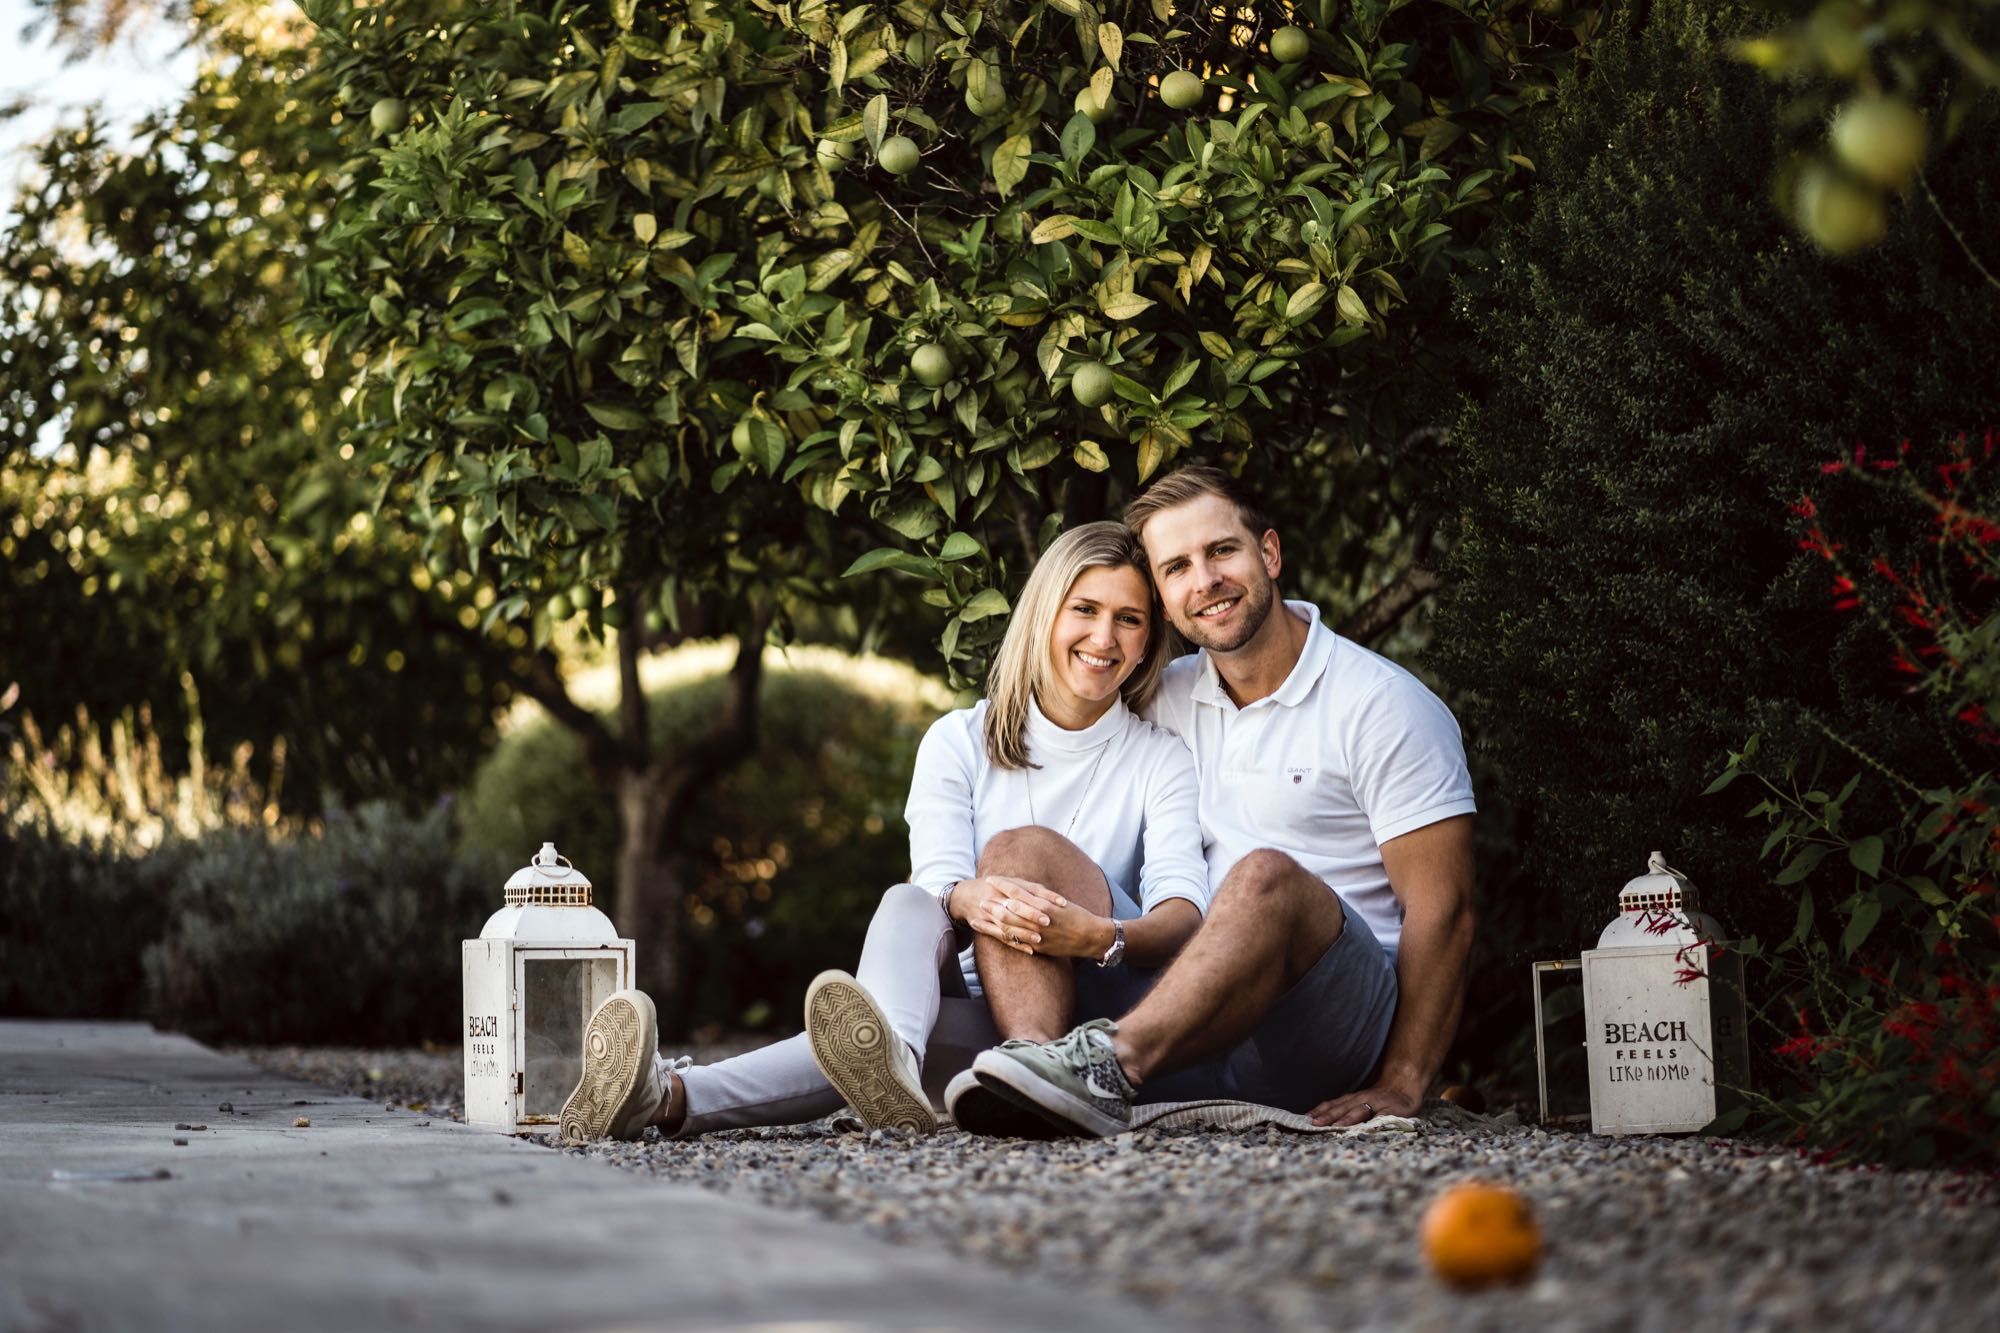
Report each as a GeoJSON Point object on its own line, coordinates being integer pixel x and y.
{"type": "Point", "coordinates": [662, 1067]}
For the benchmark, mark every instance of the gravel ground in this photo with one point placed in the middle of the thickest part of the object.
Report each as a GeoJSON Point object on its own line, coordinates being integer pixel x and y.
{"type": "Point", "coordinates": [1269, 1230]}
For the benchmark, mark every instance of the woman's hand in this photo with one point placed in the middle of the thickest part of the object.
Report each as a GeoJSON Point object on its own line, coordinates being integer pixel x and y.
{"type": "Point", "coordinates": [1029, 917]}
{"type": "Point", "coordinates": [1012, 911]}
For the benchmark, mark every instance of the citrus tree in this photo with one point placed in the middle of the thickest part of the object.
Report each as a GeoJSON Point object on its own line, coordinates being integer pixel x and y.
{"type": "Point", "coordinates": [177, 520]}
{"type": "Point", "coordinates": [694, 309]}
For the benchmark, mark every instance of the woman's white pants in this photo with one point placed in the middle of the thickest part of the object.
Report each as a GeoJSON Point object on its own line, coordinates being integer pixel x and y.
{"type": "Point", "coordinates": [903, 966]}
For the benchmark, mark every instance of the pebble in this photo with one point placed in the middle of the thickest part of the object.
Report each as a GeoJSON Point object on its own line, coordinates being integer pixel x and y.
{"type": "Point", "coordinates": [1269, 1230]}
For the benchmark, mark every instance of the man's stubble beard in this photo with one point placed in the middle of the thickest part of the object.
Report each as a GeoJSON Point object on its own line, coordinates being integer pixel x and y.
{"type": "Point", "coordinates": [1257, 604]}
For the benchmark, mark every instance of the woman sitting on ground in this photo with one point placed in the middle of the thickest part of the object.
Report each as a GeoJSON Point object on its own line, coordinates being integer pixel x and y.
{"type": "Point", "coordinates": [1053, 832]}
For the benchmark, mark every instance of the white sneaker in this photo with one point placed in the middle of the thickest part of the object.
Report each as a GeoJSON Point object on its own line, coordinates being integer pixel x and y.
{"type": "Point", "coordinates": [864, 1059]}
{"type": "Point", "coordinates": [622, 1085]}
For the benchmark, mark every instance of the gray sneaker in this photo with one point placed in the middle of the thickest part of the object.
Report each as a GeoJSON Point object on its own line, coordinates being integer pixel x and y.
{"type": "Point", "coordinates": [864, 1059]}
{"type": "Point", "coordinates": [977, 1109]}
{"type": "Point", "coordinates": [622, 1084]}
{"type": "Point", "coordinates": [1074, 1082]}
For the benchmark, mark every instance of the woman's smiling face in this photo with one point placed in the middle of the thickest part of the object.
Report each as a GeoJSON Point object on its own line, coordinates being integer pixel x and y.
{"type": "Point", "coordinates": [1098, 641]}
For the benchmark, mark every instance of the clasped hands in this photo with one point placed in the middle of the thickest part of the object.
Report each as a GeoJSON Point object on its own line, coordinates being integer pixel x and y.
{"type": "Point", "coordinates": [1029, 917]}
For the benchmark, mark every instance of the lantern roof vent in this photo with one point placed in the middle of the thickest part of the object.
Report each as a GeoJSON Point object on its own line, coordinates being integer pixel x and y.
{"type": "Point", "coordinates": [548, 880]}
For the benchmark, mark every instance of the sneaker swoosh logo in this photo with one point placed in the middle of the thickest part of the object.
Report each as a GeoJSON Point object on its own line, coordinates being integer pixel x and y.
{"type": "Point", "coordinates": [1098, 1090]}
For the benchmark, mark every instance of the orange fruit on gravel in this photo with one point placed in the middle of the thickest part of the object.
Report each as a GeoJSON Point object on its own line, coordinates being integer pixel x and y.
{"type": "Point", "coordinates": [1477, 1234]}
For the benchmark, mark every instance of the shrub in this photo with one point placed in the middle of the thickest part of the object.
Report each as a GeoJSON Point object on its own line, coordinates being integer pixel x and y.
{"type": "Point", "coordinates": [77, 916]}
{"type": "Point", "coordinates": [351, 936]}
{"type": "Point", "coordinates": [1662, 362]}
{"type": "Point", "coordinates": [1886, 992]}
{"type": "Point", "coordinates": [783, 859]}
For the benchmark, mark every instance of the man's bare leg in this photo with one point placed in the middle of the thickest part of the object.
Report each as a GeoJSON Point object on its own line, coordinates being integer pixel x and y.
{"type": "Point", "coordinates": [1033, 996]}
{"type": "Point", "coordinates": [1269, 923]}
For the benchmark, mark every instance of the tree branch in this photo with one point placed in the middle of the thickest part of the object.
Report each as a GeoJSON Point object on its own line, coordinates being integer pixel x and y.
{"type": "Point", "coordinates": [543, 683]}
{"type": "Point", "coordinates": [734, 732]}
{"type": "Point", "coordinates": [1381, 613]}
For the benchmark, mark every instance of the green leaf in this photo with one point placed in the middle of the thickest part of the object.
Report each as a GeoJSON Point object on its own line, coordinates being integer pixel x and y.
{"type": "Point", "coordinates": [1729, 775]}
{"type": "Point", "coordinates": [1803, 864]}
{"type": "Point", "coordinates": [1349, 302]}
{"type": "Point", "coordinates": [1866, 913]}
{"type": "Point", "coordinates": [1124, 305]}
{"type": "Point", "coordinates": [988, 602]}
{"type": "Point", "coordinates": [914, 517]}
{"type": "Point", "coordinates": [875, 121]}
{"type": "Point", "coordinates": [1089, 456]}
{"type": "Point", "coordinates": [888, 557]}
{"type": "Point", "coordinates": [614, 416]}
{"type": "Point", "coordinates": [1010, 163]}
{"type": "Point", "coordinates": [1926, 888]}
{"type": "Point", "coordinates": [1866, 854]}
{"type": "Point", "coordinates": [1079, 136]}
{"type": "Point", "coordinates": [637, 116]}
{"type": "Point", "coordinates": [1306, 300]}
{"type": "Point", "coordinates": [1803, 925]}
{"type": "Point", "coordinates": [960, 546]}
{"type": "Point", "coordinates": [1058, 228]}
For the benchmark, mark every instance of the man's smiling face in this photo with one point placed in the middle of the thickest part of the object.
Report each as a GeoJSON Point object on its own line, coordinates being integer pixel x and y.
{"type": "Point", "coordinates": [1216, 578]}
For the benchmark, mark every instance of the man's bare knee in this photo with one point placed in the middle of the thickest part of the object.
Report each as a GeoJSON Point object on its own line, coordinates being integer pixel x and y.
{"type": "Point", "coordinates": [1274, 887]}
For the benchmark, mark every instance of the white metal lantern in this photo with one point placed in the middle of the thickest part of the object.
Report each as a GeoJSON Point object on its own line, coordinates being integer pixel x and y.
{"type": "Point", "coordinates": [1663, 1012]}
{"type": "Point", "coordinates": [537, 972]}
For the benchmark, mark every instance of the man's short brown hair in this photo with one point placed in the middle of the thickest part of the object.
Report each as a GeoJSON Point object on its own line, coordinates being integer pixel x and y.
{"type": "Point", "coordinates": [1192, 483]}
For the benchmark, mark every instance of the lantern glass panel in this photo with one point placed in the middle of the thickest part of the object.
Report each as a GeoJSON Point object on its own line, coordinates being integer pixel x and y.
{"type": "Point", "coordinates": [558, 996]}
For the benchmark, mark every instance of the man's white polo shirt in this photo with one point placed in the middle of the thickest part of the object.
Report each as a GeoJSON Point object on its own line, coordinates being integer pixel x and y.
{"type": "Point", "coordinates": [1351, 751]}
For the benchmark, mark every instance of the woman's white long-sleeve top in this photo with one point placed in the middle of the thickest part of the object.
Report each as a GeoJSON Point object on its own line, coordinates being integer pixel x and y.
{"type": "Point", "coordinates": [1122, 789]}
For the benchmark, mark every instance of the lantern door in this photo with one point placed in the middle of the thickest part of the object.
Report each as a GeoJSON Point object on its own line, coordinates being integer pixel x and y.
{"type": "Point", "coordinates": [555, 993]}
{"type": "Point", "coordinates": [1649, 1041]}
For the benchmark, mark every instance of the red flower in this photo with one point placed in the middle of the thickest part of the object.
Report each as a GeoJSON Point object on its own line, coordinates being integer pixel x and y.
{"type": "Point", "coordinates": [1805, 508]}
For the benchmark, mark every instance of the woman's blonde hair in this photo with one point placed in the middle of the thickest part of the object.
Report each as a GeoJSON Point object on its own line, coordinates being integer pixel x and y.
{"type": "Point", "coordinates": [1022, 669]}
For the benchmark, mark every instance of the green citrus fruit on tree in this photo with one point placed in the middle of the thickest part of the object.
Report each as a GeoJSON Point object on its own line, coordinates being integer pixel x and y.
{"type": "Point", "coordinates": [1181, 89]}
{"type": "Point", "coordinates": [1881, 139]}
{"type": "Point", "coordinates": [560, 608]}
{"type": "Point", "coordinates": [931, 364]}
{"type": "Point", "coordinates": [992, 95]}
{"type": "Point", "coordinates": [388, 116]}
{"type": "Point", "coordinates": [1841, 215]}
{"type": "Point", "coordinates": [834, 155]}
{"type": "Point", "coordinates": [1091, 383]}
{"type": "Point", "coordinates": [898, 155]}
{"type": "Point", "coordinates": [1290, 44]}
{"type": "Point", "coordinates": [1088, 103]}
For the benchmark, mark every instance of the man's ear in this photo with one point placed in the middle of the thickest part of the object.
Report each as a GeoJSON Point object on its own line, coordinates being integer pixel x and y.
{"type": "Point", "coordinates": [1273, 559]}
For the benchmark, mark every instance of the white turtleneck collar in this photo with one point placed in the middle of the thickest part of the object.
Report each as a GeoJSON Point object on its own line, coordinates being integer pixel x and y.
{"type": "Point", "coordinates": [1046, 735]}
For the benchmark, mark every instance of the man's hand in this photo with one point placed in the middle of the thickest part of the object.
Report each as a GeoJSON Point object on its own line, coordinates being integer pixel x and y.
{"type": "Point", "coordinates": [1013, 911]}
{"type": "Point", "coordinates": [1359, 1107]}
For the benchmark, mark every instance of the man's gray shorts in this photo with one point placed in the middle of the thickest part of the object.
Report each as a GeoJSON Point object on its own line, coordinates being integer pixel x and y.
{"type": "Point", "coordinates": [1324, 1037]}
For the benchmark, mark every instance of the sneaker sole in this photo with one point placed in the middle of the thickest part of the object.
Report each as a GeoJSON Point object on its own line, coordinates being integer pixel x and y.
{"type": "Point", "coordinates": [1021, 1085]}
{"type": "Point", "coordinates": [978, 1109]}
{"type": "Point", "coordinates": [620, 1037]}
{"type": "Point", "coordinates": [852, 1043]}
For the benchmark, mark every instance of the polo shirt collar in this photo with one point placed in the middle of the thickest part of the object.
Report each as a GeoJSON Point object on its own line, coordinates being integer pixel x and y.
{"type": "Point", "coordinates": [1305, 673]}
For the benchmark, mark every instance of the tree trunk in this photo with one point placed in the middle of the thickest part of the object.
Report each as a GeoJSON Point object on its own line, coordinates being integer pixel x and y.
{"type": "Point", "coordinates": [654, 795]}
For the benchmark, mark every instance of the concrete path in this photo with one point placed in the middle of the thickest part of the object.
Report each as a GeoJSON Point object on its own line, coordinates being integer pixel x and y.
{"type": "Point", "coordinates": [376, 1219]}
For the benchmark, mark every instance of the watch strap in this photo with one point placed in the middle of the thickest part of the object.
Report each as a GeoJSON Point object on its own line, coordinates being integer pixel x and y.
{"type": "Point", "coordinates": [1116, 952]}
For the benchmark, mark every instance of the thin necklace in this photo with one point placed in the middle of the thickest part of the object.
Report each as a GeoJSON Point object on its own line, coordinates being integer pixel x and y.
{"type": "Point", "coordinates": [1028, 777]}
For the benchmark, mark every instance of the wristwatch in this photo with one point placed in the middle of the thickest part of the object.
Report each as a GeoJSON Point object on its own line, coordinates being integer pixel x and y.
{"type": "Point", "coordinates": [1116, 953]}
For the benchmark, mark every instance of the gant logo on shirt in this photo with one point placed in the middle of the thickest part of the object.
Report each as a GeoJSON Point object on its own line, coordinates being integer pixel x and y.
{"type": "Point", "coordinates": [1298, 775]}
